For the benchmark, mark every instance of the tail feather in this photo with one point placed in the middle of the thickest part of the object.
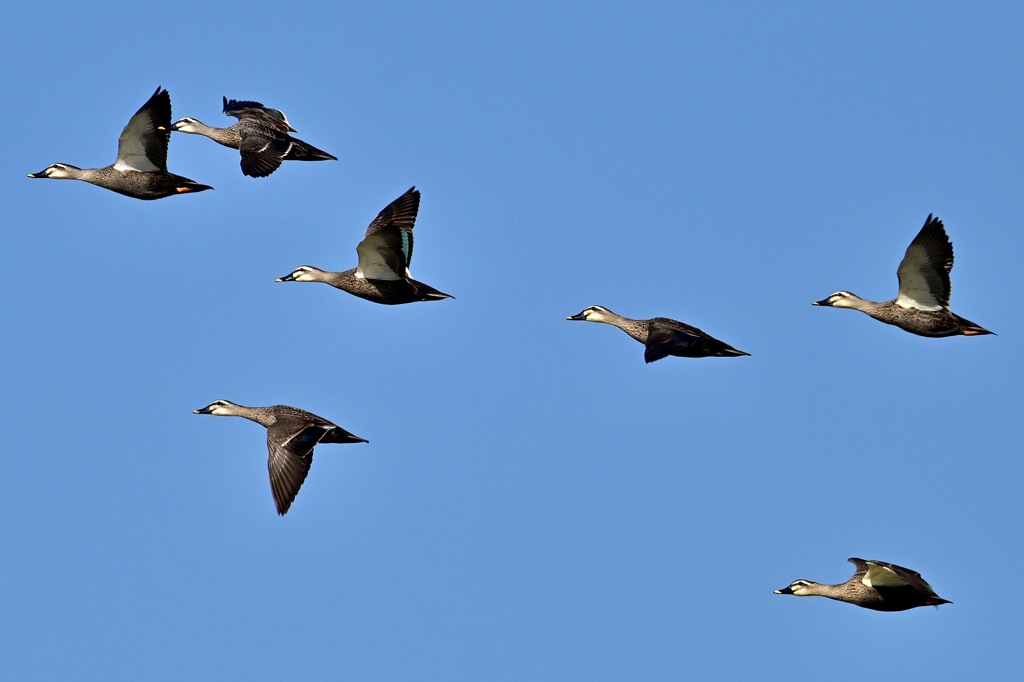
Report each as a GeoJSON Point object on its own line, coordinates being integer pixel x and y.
{"type": "Point", "coordinates": [971, 329]}
{"type": "Point", "coordinates": [303, 151]}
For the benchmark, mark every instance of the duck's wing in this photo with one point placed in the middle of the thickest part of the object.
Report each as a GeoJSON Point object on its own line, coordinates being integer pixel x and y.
{"type": "Point", "coordinates": [386, 249]}
{"type": "Point", "coordinates": [290, 443]}
{"type": "Point", "coordinates": [264, 140]}
{"type": "Point", "coordinates": [861, 568]}
{"type": "Point", "coordinates": [665, 335]}
{"type": "Point", "coordinates": [274, 118]}
{"type": "Point", "coordinates": [278, 114]}
{"type": "Point", "coordinates": [262, 149]}
{"type": "Point", "coordinates": [655, 351]}
{"type": "Point", "coordinates": [883, 574]}
{"type": "Point", "coordinates": [924, 270]}
{"type": "Point", "coordinates": [143, 142]}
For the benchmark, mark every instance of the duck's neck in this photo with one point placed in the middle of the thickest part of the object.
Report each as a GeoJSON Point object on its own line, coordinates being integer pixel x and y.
{"type": "Point", "coordinates": [229, 137]}
{"type": "Point", "coordinates": [87, 174]}
{"type": "Point", "coordinates": [635, 328]}
{"type": "Point", "coordinates": [858, 303]}
{"type": "Point", "coordinates": [260, 415]}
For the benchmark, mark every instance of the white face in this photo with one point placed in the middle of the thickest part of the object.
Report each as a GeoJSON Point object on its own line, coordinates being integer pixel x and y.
{"type": "Point", "coordinates": [57, 171]}
{"type": "Point", "coordinates": [221, 408]}
{"type": "Point", "coordinates": [304, 273]}
{"type": "Point", "coordinates": [840, 299]}
{"type": "Point", "coordinates": [800, 588]}
{"type": "Point", "coordinates": [594, 313]}
{"type": "Point", "coordinates": [185, 125]}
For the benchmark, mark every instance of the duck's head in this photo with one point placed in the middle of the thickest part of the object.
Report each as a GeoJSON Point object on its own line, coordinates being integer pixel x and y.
{"type": "Point", "coordinates": [221, 408]}
{"type": "Point", "coordinates": [57, 171]}
{"type": "Point", "coordinates": [840, 299]}
{"type": "Point", "coordinates": [594, 313]}
{"type": "Point", "coordinates": [800, 588]}
{"type": "Point", "coordinates": [303, 273]}
{"type": "Point", "coordinates": [186, 125]}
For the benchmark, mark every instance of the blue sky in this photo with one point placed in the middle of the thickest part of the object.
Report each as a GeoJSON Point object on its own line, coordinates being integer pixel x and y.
{"type": "Point", "coordinates": [535, 502]}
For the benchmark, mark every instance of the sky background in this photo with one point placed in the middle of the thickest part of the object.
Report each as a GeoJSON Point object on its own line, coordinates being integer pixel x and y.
{"type": "Point", "coordinates": [535, 502]}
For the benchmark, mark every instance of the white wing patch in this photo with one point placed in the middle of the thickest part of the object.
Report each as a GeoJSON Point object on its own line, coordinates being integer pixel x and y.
{"type": "Point", "coordinates": [914, 289]}
{"type": "Point", "coordinates": [373, 260]}
{"type": "Point", "coordinates": [131, 145]}
{"type": "Point", "coordinates": [881, 576]}
{"type": "Point", "coordinates": [133, 157]}
{"type": "Point", "coordinates": [917, 297]}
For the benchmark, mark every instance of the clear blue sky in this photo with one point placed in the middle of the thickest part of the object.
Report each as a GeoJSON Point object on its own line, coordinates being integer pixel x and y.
{"type": "Point", "coordinates": [535, 502]}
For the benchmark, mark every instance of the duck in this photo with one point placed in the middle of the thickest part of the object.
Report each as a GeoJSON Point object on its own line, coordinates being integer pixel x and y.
{"type": "Point", "coordinates": [875, 585]}
{"type": "Point", "coordinates": [662, 336]}
{"type": "Point", "coordinates": [382, 275]}
{"type": "Point", "coordinates": [261, 135]}
{"type": "Point", "coordinates": [230, 136]}
{"type": "Point", "coordinates": [140, 170]}
{"type": "Point", "coordinates": [291, 436]}
{"type": "Point", "coordinates": [922, 305]}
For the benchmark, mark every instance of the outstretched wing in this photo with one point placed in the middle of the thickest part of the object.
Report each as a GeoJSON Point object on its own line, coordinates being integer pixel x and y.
{"type": "Point", "coordinates": [924, 270]}
{"type": "Point", "coordinates": [881, 573]}
{"type": "Point", "coordinates": [386, 249]}
{"type": "Point", "coordinates": [143, 142]}
{"type": "Point", "coordinates": [262, 154]}
{"type": "Point", "coordinates": [290, 443]}
{"type": "Point", "coordinates": [274, 118]}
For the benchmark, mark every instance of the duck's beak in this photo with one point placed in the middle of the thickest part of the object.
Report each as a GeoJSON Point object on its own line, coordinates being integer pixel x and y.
{"type": "Point", "coordinates": [203, 410]}
{"type": "Point", "coordinates": [578, 316]}
{"type": "Point", "coordinates": [785, 590]}
{"type": "Point", "coordinates": [823, 301]}
{"type": "Point", "coordinates": [290, 277]}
